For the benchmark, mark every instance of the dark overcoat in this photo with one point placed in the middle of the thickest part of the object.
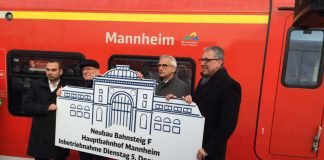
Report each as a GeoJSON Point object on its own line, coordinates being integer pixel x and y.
{"type": "Point", "coordinates": [219, 102]}
{"type": "Point", "coordinates": [42, 134]}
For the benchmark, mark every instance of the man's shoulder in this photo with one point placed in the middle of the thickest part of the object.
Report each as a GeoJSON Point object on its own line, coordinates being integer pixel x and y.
{"type": "Point", "coordinates": [178, 81]}
{"type": "Point", "coordinates": [39, 82]}
{"type": "Point", "coordinates": [225, 80]}
{"type": "Point", "coordinates": [231, 83]}
{"type": "Point", "coordinates": [86, 83]}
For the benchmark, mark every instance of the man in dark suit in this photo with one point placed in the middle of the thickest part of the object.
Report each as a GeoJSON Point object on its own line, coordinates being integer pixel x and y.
{"type": "Point", "coordinates": [168, 83]}
{"type": "Point", "coordinates": [40, 102]}
{"type": "Point", "coordinates": [218, 97]}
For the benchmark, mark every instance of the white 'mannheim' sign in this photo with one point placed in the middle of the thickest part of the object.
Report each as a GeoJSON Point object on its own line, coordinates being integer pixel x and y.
{"type": "Point", "coordinates": [139, 39]}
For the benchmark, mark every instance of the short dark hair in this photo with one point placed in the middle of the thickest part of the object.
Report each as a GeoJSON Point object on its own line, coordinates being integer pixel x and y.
{"type": "Point", "coordinates": [56, 61]}
{"type": "Point", "coordinates": [89, 63]}
{"type": "Point", "coordinates": [218, 51]}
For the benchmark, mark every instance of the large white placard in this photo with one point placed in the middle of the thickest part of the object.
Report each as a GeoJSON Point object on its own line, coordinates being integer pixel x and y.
{"type": "Point", "coordinates": [122, 118]}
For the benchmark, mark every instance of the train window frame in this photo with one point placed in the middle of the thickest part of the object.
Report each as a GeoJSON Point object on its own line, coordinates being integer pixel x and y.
{"type": "Point", "coordinates": [151, 59]}
{"type": "Point", "coordinates": [288, 52]}
{"type": "Point", "coordinates": [15, 109]}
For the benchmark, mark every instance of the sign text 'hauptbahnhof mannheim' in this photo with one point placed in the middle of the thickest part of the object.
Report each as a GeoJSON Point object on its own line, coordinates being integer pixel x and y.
{"type": "Point", "coordinates": [122, 118]}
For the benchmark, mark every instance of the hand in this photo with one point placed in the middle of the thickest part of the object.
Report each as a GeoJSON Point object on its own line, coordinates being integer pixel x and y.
{"type": "Point", "coordinates": [201, 154]}
{"type": "Point", "coordinates": [95, 75]}
{"type": "Point", "coordinates": [52, 107]}
{"type": "Point", "coordinates": [59, 92]}
{"type": "Point", "coordinates": [139, 75]}
{"type": "Point", "coordinates": [187, 98]}
{"type": "Point", "coordinates": [170, 96]}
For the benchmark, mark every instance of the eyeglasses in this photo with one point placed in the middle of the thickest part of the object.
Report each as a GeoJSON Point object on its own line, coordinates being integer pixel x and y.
{"type": "Point", "coordinates": [206, 60]}
{"type": "Point", "coordinates": [163, 65]}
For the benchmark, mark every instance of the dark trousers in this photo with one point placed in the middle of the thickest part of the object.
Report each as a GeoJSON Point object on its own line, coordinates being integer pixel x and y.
{"type": "Point", "coordinates": [88, 156]}
{"type": "Point", "coordinates": [219, 154]}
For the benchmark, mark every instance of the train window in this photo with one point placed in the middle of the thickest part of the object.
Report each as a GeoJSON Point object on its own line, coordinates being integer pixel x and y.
{"type": "Point", "coordinates": [147, 65]}
{"type": "Point", "coordinates": [37, 65]}
{"type": "Point", "coordinates": [303, 60]}
{"type": "Point", "coordinates": [24, 66]}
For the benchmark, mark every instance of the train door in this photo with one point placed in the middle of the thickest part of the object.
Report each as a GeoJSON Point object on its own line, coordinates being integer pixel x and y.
{"type": "Point", "coordinates": [299, 102]}
{"type": "Point", "coordinates": [292, 103]}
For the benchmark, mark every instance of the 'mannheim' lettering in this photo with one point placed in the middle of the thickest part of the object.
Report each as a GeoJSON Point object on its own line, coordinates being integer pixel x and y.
{"type": "Point", "coordinates": [139, 39]}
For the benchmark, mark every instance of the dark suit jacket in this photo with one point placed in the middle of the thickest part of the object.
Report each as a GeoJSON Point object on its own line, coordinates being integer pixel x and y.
{"type": "Point", "coordinates": [174, 86]}
{"type": "Point", "coordinates": [42, 134]}
{"type": "Point", "coordinates": [219, 101]}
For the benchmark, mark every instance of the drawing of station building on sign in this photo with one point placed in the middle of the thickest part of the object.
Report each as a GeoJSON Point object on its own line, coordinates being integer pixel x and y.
{"type": "Point", "coordinates": [120, 98]}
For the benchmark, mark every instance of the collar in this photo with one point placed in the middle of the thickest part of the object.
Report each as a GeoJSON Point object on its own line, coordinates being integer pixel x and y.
{"type": "Point", "coordinates": [53, 86]}
{"type": "Point", "coordinates": [169, 80]}
{"type": "Point", "coordinates": [214, 81]}
{"type": "Point", "coordinates": [218, 74]}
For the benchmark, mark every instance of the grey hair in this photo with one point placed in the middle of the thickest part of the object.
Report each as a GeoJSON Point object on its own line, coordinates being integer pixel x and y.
{"type": "Point", "coordinates": [218, 51]}
{"type": "Point", "coordinates": [173, 61]}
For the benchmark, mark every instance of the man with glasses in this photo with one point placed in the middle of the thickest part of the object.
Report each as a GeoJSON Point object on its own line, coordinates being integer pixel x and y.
{"type": "Point", "coordinates": [168, 82]}
{"type": "Point", "coordinates": [218, 97]}
{"type": "Point", "coordinates": [89, 69]}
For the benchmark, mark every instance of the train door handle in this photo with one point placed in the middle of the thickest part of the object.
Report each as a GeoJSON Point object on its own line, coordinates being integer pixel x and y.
{"type": "Point", "coordinates": [316, 139]}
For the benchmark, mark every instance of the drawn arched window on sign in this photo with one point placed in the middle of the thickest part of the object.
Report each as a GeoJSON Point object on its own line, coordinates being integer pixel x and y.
{"type": "Point", "coordinates": [86, 112]}
{"type": "Point", "coordinates": [72, 110]}
{"type": "Point", "coordinates": [176, 121]}
{"type": "Point", "coordinates": [166, 124]}
{"type": "Point", "coordinates": [99, 114]}
{"type": "Point", "coordinates": [167, 120]}
{"type": "Point", "coordinates": [73, 106]}
{"type": "Point", "coordinates": [121, 110]}
{"type": "Point", "coordinates": [158, 119]}
{"type": "Point", "coordinates": [176, 126]}
{"type": "Point", "coordinates": [157, 123]}
{"type": "Point", "coordinates": [79, 111]}
{"type": "Point", "coordinates": [143, 121]}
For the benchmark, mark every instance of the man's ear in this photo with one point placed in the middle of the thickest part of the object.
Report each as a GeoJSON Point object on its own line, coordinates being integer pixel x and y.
{"type": "Point", "coordinates": [220, 62]}
{"type": "Point", "coordinates": [97, 71]}
{"type": "Point", "coordinates": [174, 70]}
{"type": "Point", "coordinates": [61, 72]}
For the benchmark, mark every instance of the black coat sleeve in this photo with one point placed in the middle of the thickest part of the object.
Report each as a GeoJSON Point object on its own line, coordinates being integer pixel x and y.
{"type": "Point", "coordinates": [31, 103]}
{"type": "Point", "coordinates": [230, 105]}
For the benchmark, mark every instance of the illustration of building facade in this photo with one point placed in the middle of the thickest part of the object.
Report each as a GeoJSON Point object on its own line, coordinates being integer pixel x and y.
{"type": "Point", "coordinates": [120, 98]}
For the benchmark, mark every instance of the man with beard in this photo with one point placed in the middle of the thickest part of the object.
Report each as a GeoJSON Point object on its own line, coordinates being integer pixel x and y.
{"type": "Point", "coordinates": [40, 102]}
